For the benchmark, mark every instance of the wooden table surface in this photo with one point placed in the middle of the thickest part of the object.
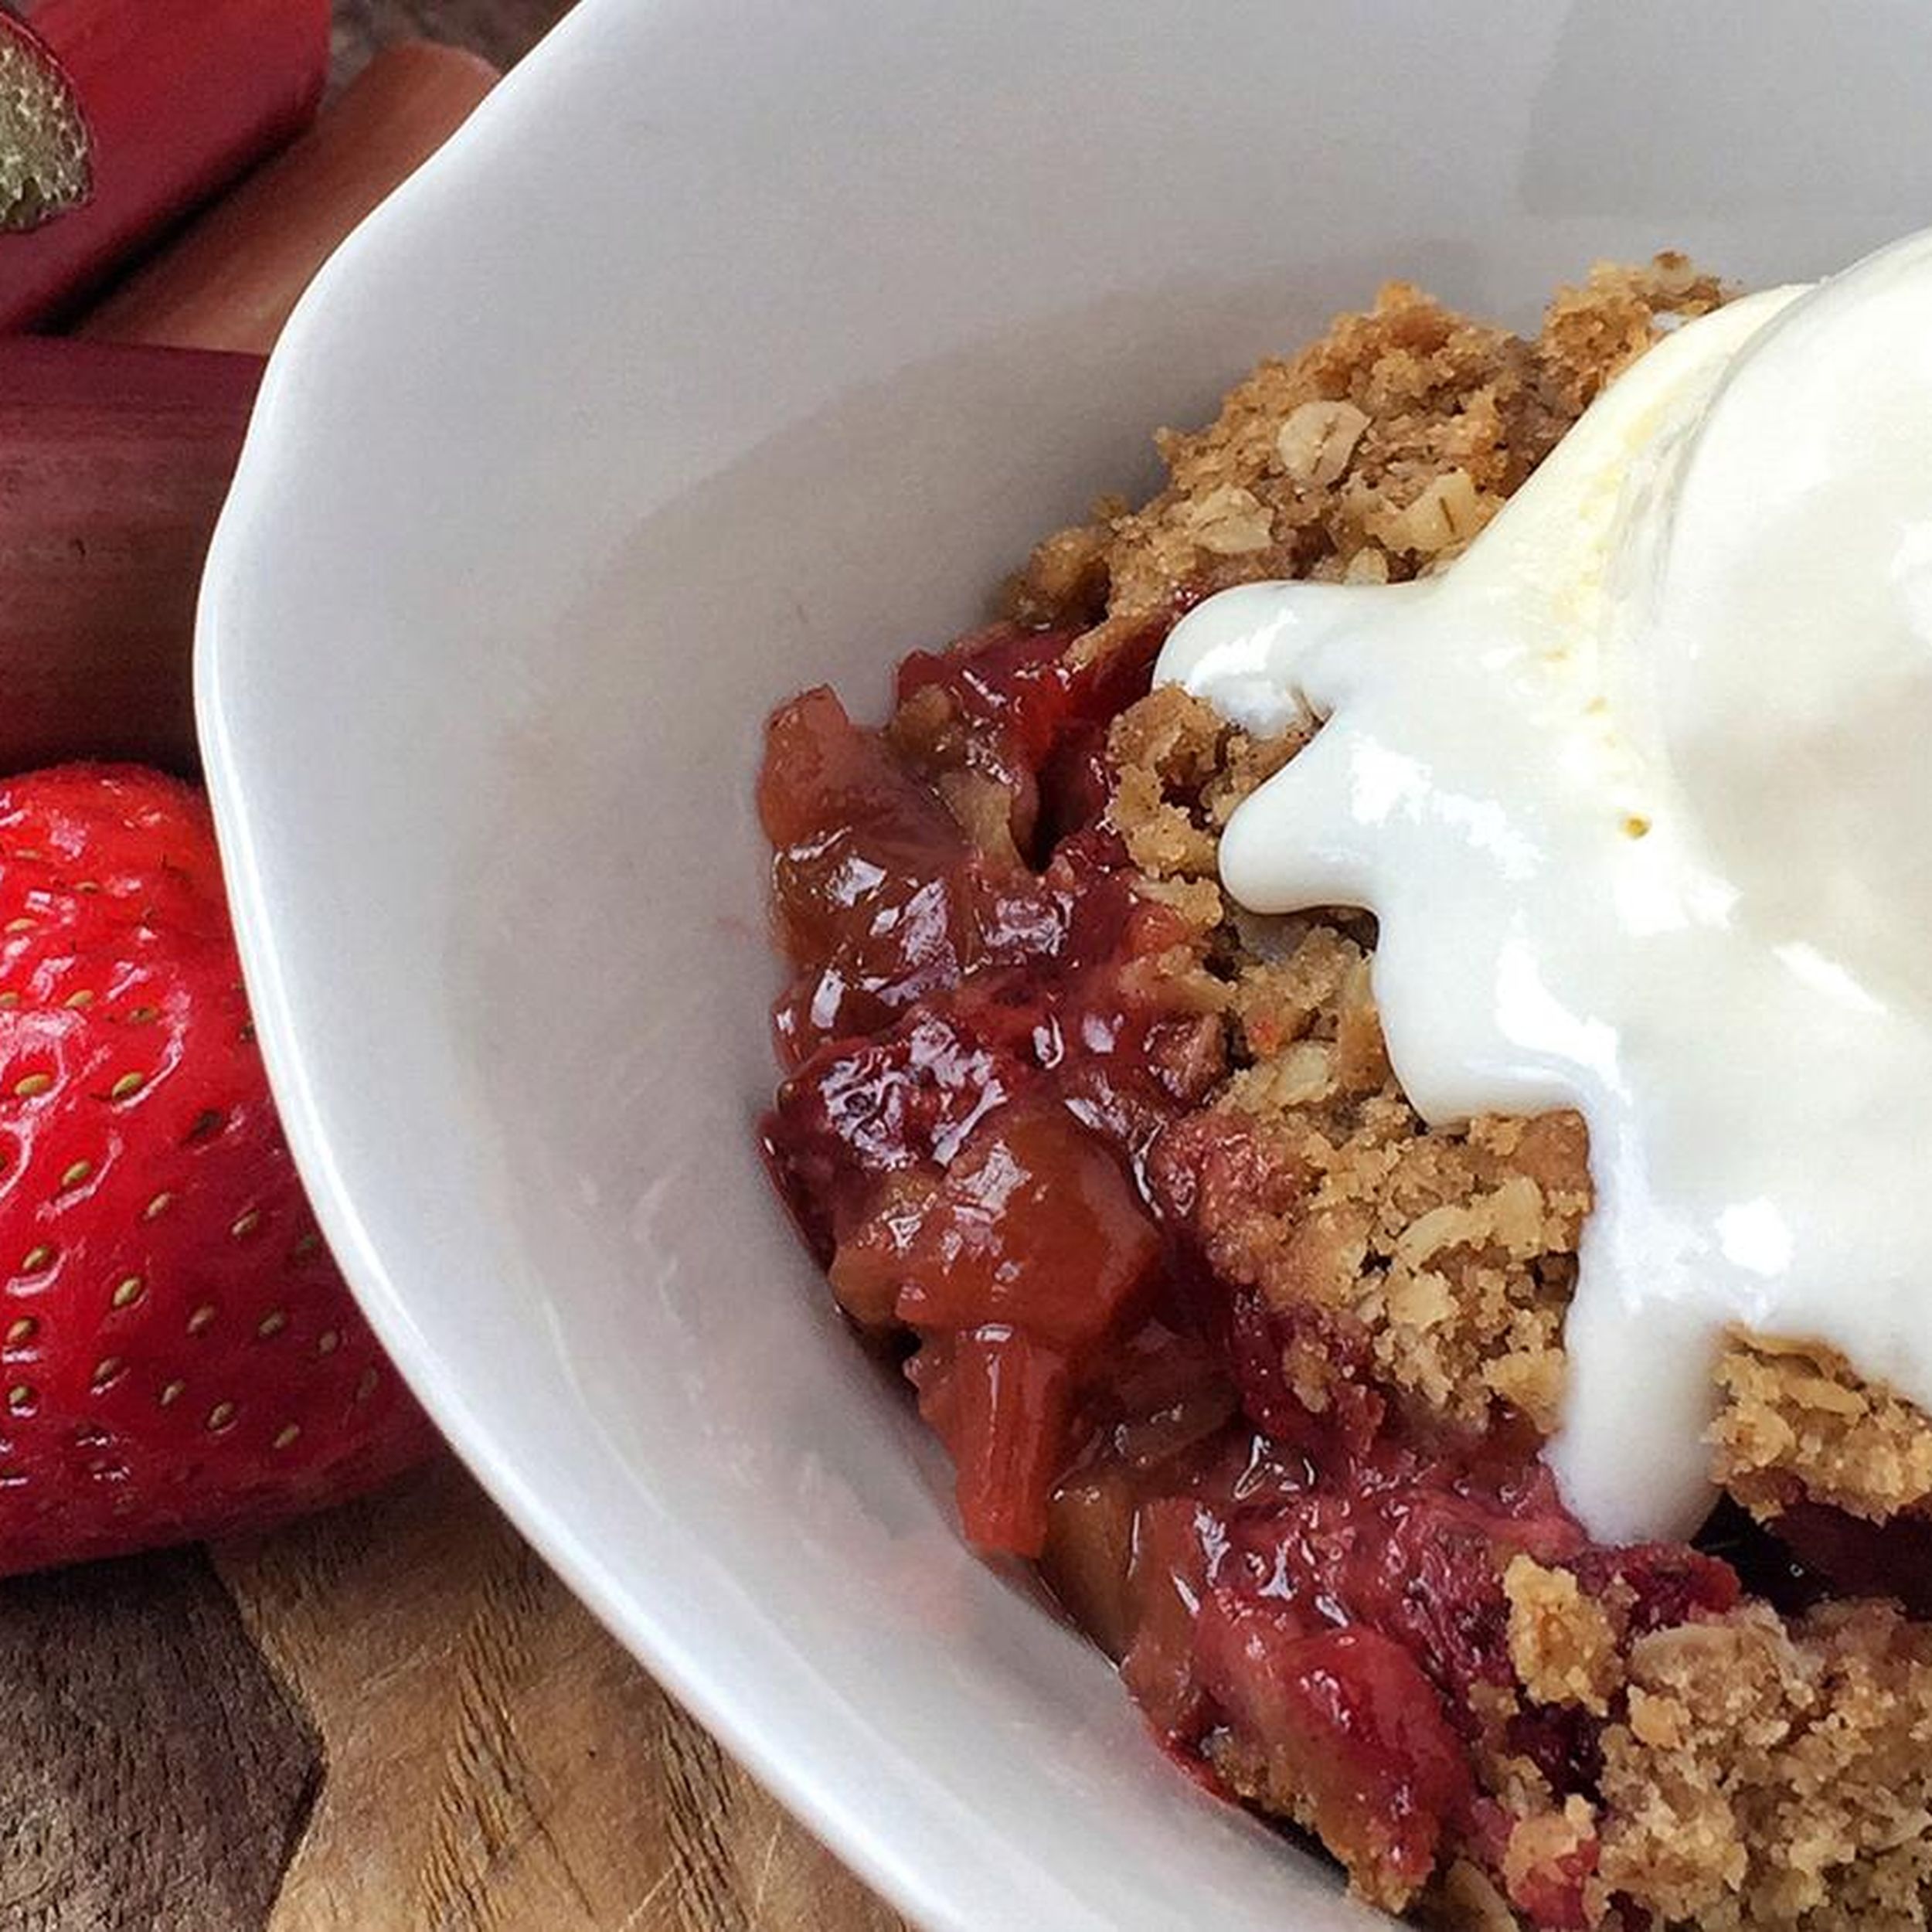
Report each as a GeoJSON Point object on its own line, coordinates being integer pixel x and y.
{"type": "Point", "coordinates": [390, 1719]}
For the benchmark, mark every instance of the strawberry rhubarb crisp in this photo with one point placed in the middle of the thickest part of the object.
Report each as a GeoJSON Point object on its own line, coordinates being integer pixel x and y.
{"type": "Point", "coordinates": [1256, 1364]}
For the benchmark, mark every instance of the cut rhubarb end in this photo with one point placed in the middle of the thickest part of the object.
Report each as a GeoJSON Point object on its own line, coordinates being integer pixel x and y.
{"type": "Point", "coordinates": [1011, 1396]}
{"type": "Point", "coordinates": [44, 167]}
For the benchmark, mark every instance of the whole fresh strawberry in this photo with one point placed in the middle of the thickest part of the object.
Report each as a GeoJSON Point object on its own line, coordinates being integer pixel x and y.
{"type": "Point", "coordinates": [178, 1357]}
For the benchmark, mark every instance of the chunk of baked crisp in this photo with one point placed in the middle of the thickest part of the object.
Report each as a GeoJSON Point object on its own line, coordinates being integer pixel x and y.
{"type": "Point", "coordinates": [1798, 1423]}
{"type": "Point", "coordinates": [1375, 455]}
{"type": "Point", "coordinates": [1776, 1779]}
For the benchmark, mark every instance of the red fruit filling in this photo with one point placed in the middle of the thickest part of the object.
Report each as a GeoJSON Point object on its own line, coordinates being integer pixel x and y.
{"type": "Point", "coordinates": [991, 1135]}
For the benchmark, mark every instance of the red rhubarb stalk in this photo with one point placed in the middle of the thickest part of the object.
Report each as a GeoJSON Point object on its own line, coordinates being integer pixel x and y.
{"type": "Point", "coordinates": [114, 463]}
{"type": "Point", "coordinates": [230, 279]}
{"type": "Point", "coordinates": [175, 99]}
{"type": "Point", "coordinates": [114, 460]}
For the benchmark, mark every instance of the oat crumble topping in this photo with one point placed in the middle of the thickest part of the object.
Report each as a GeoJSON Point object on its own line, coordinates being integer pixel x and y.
{"type": "Point", "coordinates": [1757, 1773]}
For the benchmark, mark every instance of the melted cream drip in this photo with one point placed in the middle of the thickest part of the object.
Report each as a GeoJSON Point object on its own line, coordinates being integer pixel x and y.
{"type": "Point", "coordinates": [1641, 790]}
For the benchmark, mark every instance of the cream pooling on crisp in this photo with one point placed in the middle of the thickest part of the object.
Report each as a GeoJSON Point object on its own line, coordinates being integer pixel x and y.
{"type": "Point", "coordinates": [1641, 791]}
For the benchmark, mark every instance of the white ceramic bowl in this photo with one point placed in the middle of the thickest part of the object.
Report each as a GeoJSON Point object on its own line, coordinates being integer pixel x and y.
{"type": "Point", "coordinates": [729, 349]}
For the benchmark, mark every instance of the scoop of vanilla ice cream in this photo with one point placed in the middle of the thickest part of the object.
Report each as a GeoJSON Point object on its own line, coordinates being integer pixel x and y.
{"type": "Point", "coordinates": [1794, 678]}
{"type": "Point", "coordinates": [1641, 790]}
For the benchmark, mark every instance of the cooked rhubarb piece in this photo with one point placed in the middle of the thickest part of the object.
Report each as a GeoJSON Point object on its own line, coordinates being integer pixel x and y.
{"type": "Point", "coordinates": [1006, 1398]}
{"type": "Point", "coordinates": [1034, 1225]}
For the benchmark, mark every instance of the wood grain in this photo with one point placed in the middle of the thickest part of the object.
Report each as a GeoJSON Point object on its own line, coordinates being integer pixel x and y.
{"type": "Point", "coordinates": [500, 30]}
{"type": "Point", "coordinates": [155, 1772]}
{"type": "Point", "coordinates": [495, 1761]}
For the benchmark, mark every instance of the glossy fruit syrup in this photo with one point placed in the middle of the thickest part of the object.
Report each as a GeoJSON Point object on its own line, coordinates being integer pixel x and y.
{"type": "Point", "coordinates": [980, 1134]}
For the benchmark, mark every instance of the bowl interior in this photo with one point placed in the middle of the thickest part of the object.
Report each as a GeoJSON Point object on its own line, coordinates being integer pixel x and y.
{"type": "Point", "coordinates": [730, 350]}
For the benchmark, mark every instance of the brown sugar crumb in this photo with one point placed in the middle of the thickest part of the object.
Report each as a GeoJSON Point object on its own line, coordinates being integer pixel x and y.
{"type": "Point", "coordinates": [1467, 1899]}
{"type": "Point", "coordinates": [1799, 1423]}
{"type": "Point", "coordinates": [1772, 1778]}
{"type": "Point", "coordinates": [1422, 423]}
{"type": "Point", "coordinates": [1065, 581]}
{"type": "Point", "coordinates": [1165, 749]}
{"type": "Point", "coordinates": [1264, 1780]}
{"type": "Point", "coordinates": [1438, 1263]}
{"type": "Point", "coordinates": [1548, 1841]}
{"type": "Point", "coordinates": [1561, 1642]}
{"type": "Point", "coordinates": [1440, 1256]}
{"type": "Point", "coordinates": [1373, 456]}
{"type": "Point", "coordinates": [1591, 332]}
{"type": "Point", "coordinates": [1180, 770]}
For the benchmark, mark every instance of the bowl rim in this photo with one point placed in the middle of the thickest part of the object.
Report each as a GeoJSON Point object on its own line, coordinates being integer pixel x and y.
{"type": "Point", "coordinates": [828, 1807]}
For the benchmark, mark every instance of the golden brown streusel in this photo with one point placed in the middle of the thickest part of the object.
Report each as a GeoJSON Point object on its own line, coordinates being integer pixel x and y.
{"type": "Point", "coordinates": [1450, 1253]}
{"type": "Point", "coordinates": [1375, 455]}
{"type": "Point", "coordinates": [1549, 1838]}
{"type": "Point", "coordinates": [1758, 1777]}
{"type": "Point", "coordinates": [1772, 1778]}
{"type": "Point", "coordinates": [1378, 451]}
{"type": "Point", "coordinates": [1562, 1643]}
{"type": "Point", "coordinates": [1799, 1421]}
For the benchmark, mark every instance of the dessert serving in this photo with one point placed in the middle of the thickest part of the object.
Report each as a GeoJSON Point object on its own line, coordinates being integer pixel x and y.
{"type": "Point", "coordinates": [1365, 1045]}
